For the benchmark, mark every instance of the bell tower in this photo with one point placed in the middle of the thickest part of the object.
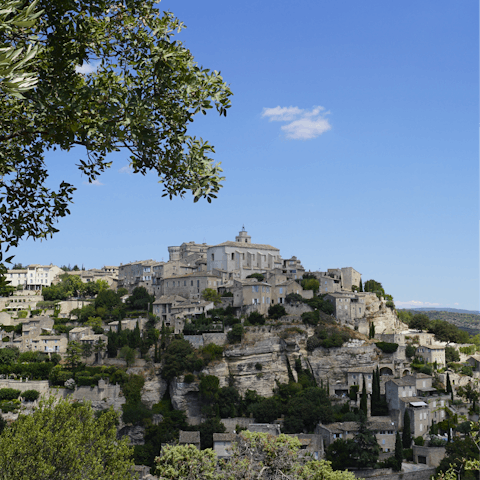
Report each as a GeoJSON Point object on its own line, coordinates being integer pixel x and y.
{"type": "Point", "coordinates": [243, 236]}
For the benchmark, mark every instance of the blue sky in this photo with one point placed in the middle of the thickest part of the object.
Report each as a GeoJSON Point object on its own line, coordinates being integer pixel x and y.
{"type": "Point", "coordinates": [352, 141]}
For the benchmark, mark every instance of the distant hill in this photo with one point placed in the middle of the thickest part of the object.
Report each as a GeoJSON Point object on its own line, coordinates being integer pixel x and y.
{"type": "Point", "coordinates": [455, 310]}
{"type": "Point", "coordinates": [464, 319]}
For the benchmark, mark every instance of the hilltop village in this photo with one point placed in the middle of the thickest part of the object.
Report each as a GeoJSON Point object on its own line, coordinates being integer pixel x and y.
{"type": "Point", "coordinates": [231, 337]}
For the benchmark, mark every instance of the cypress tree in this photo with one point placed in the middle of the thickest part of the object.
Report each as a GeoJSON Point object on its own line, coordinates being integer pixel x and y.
{"type": "Point", "coordinates": [406, 434]}
{"type": "Point", "coordinates": [398, 453]}
{"type": "Point", "coordinates": [360, 287]}
{"type": "Point", "coordinates": [363, 399]}
{"type": "Point", "coordinates": [449, 385]}
{"type": "Point", "coordinates": [375, 396]}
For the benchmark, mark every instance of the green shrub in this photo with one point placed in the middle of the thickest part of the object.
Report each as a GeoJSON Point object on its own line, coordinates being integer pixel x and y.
{"type": "Point", "coordinates": [311, 318]}
{"type": "Point", "coordinates": [211, 352]}
{"type": "Point", "coordinates": [6, 339]}
{"type": "Point", "coordinates": [276, 311]}
{"type": "Point", "coordinates": [135, 413]}
{"type": "Point", "coordinates": [22, 314]}
{"type": "Point", "coordinates": [410, 351]}
{"type": "Point", "coordinates": [30, 395]}
{"type": "Point", "coordinates": [235, 335]}
{"type": "Point", "coordinates": [420, 441]}
{"type": "Point", "coordinates": [387, 347]}
{"type": "Point", "coordinates": [256, 318]}
{"type": "Point", "coordinates": [227, 294]}
{"type": "Point", "coordinates": [189, 378]}
{"type": "Point", "coordinates": [258, 366]}
{"type": "Point", "coordinates": [9, 394]}
{"type": "Point", "coordinates": [466, 370]}
{"type": "Point", "coordinates": [408, 454]}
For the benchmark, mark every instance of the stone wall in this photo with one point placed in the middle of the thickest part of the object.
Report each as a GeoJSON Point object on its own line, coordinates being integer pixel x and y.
{"type": "Point", "coordinates": [231, 423]}
{"type": "Point", "coordinates": [40, 385]}
{"type": "Point", "coordinates": [216, 338]}
{"type": "Point", "coordinates": [195, 340]}
{"type": "Point", "coordinates": [433, 455]}
{"type": "Point", "coordinates": [297, 308]}
{"type": "Point", "coordinates": [388, 474]}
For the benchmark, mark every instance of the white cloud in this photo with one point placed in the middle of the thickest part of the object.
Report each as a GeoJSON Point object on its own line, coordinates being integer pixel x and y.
{"type": "Point", "coordinates": [87, 68]}
{"type": "Point", "coordinates": [415, 304]}
{"type": "Point", "coordinates": [456, 303]}
{"type": "Point", "coordinates": [126, 169]}
{"type": "Point", "coordinates": [97, 183]}
{"type": "Point", "coordinates": [302, 124]}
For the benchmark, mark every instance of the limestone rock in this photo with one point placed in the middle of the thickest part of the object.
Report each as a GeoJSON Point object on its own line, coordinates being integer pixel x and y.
{"type": "Point", "coordinates": [153, 391]}
{"type": "Point", "coordinates": [136, 434]}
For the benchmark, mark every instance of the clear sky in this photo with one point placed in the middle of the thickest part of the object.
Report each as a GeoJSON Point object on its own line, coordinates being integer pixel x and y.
{"type": "Point", "coordinates": [352, 141]}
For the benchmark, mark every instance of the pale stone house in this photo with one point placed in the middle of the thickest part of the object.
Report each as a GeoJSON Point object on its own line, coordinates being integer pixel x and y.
{"type": "Point", "coordinates": [189, 285]}
{"type": "Point", "coordinates": [34, 277]}
{"type": "Point", "coordinates": [383, 427]}
{"type": "Point", "coordinates": [127, 324]}
{"type": "Point", "coordinates": [21, 300]}
{"type": "Point", "coordinates": [136, 274]}
{"type": "Point", "coordinates": [432, 352]}
{"type": "Point", "coordinates": [173, 310]}
{"type": "Point", "coordinates": [348, 306]}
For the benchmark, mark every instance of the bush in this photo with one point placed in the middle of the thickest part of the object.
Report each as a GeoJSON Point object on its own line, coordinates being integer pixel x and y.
{"type": "Point", "coordinates": [276, 311]}
{"type": "Point", "coordinates": [387, 347]}
{"type": "Point", "coordinates": [311, 318]}
{"type": "Point", "coordinates": [294, 298]}
{"type": "Point", "coordinates": [227, 294]}
{"type": "Point", "coordinates": [258, 276]}
{"type": "Point", "coordinates": [466, 370]}
{"type": "Point", "coordinates": [236, 334]}
{"type": "Point", "coordinates": [256, 318]}
{"type": "Point", "coordinates": [189, 378]}
{"type": "Point", "coordinates": [9, 394]}
{"type": "Point", "coordinates": [30, 395]}
{"type": "Point", "coordinates": [6, 339]}
{"type": "Point", "coordinates": [211, 352]}
{"type": "Point", "coordinates": [410, 351]}
{"type": "Point", "coordinates": [22, 314]}
{"type": "Point", "coordinates": [408, 454]}
{"type": "Point", "coordinates": [436, 442]}
{"type": "Point", "coordinates": [258, 366]}
{"type": "Point", "coordinates": [420, 441]}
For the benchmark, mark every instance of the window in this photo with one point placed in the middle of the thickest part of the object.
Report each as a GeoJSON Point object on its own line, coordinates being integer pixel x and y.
{"type": "Point", "coordinates": [281, 290]}
{"type": "Point", "coordinates": [213, 257]}
{"type": "Point", "coordinates": [254, 288]}
{"type": "Point", "coordinates": [233, 256]}
{"type": "Point", "coordinates": [184, 283]}
{"type": "Point", "coordinates": [191, 283]}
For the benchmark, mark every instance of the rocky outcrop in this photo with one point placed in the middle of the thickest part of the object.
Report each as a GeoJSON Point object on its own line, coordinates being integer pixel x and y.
{"type": "Point", "coordinates": [153, 391]}
{"type": "Point", "coordinates": [135, 433]}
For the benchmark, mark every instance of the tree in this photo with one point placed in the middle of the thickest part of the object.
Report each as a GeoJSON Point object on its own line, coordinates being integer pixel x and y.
{"type": "Point", "coordinates": [375, 287]}
{"type": "Point", "coordinates": [63, 440]}
{"type": "Point", "coordinates": [407, 433]}
{"type": "Point", "coordinates": [451, 354]}
{"type": "Point", "coordinates": [144, 93]}
{"type": "Point", "coordinates": [360, 286]}
{"type": "Point", "coordinates": [18, 47]}
{"type": "Point", "coordinates": [448, 388]}
{"type": "Point", "coordinates": [87, 350]}
{"type": "Point", "coordinates": [363, 399]}
{"type": "Point", "coordinates": [371, 330]}
{"type": "Point", "coordinates": [419, 321]}
{"type": "Point", "coordinates": [186, 462]}
{"type": "Point", "coordinates": [74, 352]}
{"type": "Point", "coordinates": [310, 284]}
{"type": "Point", "coordinates": [128, 354]}
{"type": "Point", "coordinates": [258, 276]}
{"type": "Point", "coordinates": [211, 295]}
{"type": "Point", "coordinates": [366, 451]}
{"type": "Point", "coordinates": [398, 453]}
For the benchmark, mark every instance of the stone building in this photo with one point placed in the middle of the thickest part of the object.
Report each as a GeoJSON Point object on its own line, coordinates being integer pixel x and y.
{"type": "Point", "coordinates": [383, 428]}
{"type": "Point", "coordinates": [34, 277]}
{"type": "Point", "coordinates": [432, 352]}
{"type": "Point", "coordinates": [190, 285]}
{"type": "Point", "coordinates": [174, 310]}
{"type": "Point", "coordinates": [243, 254]}
{"type": "Point", "coordinates": [348, 306]}
{"type": "Point", "coordinates": [415, 394]}
{"type": "Point", "coordinates": [136, 274]}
